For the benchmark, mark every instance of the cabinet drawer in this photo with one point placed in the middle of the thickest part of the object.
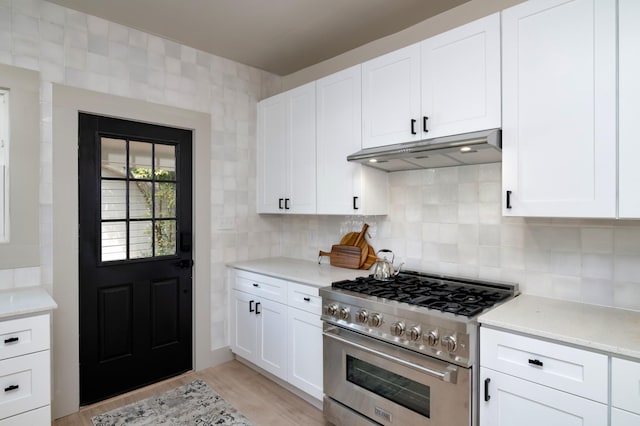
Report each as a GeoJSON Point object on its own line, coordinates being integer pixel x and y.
{"type": "Point", "coordinates": [625, 384]}
{"type": "Point", "coordinates": [304, 297]}
{"type": "Point", "coordinates": [261, 285]}
{"type": "Point", "coordinates": [579, 372]}
{"type": "Point", "coordinates": [39, 417]}
{"type": "Point", "coordinates": [24, 335]}
{"type": "Point", "coordinates": [624, 418]}
{"type": "Point", "coordinates": [24, 383]}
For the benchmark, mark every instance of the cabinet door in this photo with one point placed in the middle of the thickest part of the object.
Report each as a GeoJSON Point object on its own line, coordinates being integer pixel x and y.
{"type": "Point", "coordinates": [559, 108]}
{"type": "Point", "coordinates": [301, 148]}
{"type": "Point", "coordinates": [391, 98]}
{"type": "Point", "coordinates": [625, 384]}
{"type": "Point", "coordinates": [242, 327]}
{"type": "Point", "coordinates": [271, 157]}
{"type": "Point", "coordinates": [461, 79]}
{"type": "Point", "coordinates": [629, 108]}
{"type": "Point", "coordinates": [272, 337]}
{"type": "Point", "coordinates": [624, 418]}
{"type": "Point", "coordinates": [513, 401]}
{"type": "Point", "coordinates": [305, 351]}
{"type": "Point", "coordinates": [339, 121]}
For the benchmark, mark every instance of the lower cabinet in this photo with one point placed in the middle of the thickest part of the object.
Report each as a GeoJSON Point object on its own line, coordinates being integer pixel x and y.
{"type": "Point", "coordinates": [282, 337]}
{"type": "Point", "coordinates": [257, 332]}
{"type": "Point", "coordinates": [507, 400]}
{"type": "Point", "coordinates": [305, 351]}
{"type": "Point", "coordinates": [625, 392]}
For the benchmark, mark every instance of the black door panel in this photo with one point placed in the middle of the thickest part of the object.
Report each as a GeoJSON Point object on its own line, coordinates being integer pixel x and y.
{"type": "Point", "coordinates": [135, 254]}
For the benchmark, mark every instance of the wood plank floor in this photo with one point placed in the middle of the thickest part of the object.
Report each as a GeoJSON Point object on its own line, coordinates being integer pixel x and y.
{"type": "Point", "coordinates": [262, 401]}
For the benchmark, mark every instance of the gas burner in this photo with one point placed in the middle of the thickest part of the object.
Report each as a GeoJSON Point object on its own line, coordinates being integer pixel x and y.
{"type": "Point", "coordinates": [446, 294]}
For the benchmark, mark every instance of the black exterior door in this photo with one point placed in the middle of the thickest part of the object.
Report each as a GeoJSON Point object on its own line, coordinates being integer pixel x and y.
{"type": "Point", "coordinates": [135, 254]}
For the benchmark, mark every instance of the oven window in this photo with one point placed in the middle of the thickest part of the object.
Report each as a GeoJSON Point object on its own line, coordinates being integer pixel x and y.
{"type": "Point", "coordinates": [405, 392]}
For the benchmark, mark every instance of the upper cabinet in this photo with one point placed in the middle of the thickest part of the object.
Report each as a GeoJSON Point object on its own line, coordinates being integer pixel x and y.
{"type": "Point", "coordinates": [629, 108]}
{"type": "Point", "coordinates": [559, 108]}
{"type": "Point", "coordinates": [344, 187]}
{"type": "Point", "coordinates": [461, 79]}
{"type": "Point", "coordinates": [286, 176]}
{"type": "Point", "coordinates": [445, 85]}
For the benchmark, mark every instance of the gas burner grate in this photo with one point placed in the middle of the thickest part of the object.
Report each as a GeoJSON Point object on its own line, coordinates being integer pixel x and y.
{"type": "Point", "coordinates": [457, 297]}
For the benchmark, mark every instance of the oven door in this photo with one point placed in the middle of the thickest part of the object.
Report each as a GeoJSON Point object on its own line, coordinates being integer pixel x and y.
{"type": "Point", "coordinates": [392, 385]}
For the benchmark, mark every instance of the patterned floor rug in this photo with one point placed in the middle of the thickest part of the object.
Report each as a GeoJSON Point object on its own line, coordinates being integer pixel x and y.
{"type": "Point", "coordinates": [192, 404]}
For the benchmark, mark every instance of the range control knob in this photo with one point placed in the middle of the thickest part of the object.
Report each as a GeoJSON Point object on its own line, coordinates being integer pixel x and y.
{"type": "Point", "coordinates": [375, 320]}
{"type": "Point", "coordinates": [362, 316]}
{"type": "Point", "coordinates": [450, 343]}
{"type": "Point", "coordinates": [431, 337]}
{"type": "Point", "coordinates": [344, 313]}
{"type": "Point", "coordinates": [414, 333]}
{"type": "Point", "coordinates": [397, 328]}
{"type": "Point", "coordinates": [332, 310]}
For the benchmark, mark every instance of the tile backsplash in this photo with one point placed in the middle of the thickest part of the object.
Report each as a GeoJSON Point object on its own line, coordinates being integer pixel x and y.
{"type": "Point", "coordinates": [449, 221]}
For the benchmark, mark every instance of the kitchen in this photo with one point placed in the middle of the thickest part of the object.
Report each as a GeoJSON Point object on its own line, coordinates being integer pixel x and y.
{"type": "Point", "coordinates": [446, 220]}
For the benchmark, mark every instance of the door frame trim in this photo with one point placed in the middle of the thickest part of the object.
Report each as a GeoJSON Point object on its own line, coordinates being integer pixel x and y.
{"type": "Point", "coordinates": [66, 103]}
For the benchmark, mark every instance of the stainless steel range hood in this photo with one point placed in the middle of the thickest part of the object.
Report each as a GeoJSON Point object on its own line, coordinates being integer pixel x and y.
{"type": "Point", "coordinates": [468, 148]}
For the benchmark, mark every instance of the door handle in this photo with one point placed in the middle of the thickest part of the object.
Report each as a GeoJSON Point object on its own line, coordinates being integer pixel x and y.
{"type": "Point", "coordinates": [286, 204]}
{"type": "Point", "coordinates": [257, 306]}
{"type": "Point", "coordinates": [413, 126]}
{"type": "Point", "coordinates": [251, 306]}
{"type": "Point", "coordinates": [184, 263]}
{"type": "Point", "coordinates": [355, 203]}
{"type": "Point", "coordinates": [508, 199]}
{"type": "Point", "coordinates": [280, 203]}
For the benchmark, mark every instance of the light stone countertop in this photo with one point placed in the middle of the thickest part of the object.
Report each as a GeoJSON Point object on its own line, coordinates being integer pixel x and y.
{"type": "Point", "coordinates": [612, 330]}
{"type": "Point", "coordinates": [25, 301]}
{"type": "Point", "coordinates": [301, 271]}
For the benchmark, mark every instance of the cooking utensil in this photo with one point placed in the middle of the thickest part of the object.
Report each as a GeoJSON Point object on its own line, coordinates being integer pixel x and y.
{"type": "Point", "coordinates": [383, 270]}
{"type": "Point", "coordinates": [343, 256]}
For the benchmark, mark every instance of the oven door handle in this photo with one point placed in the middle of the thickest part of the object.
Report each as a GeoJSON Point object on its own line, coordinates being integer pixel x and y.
{"type": "Point", "coordinates": [445, 376]}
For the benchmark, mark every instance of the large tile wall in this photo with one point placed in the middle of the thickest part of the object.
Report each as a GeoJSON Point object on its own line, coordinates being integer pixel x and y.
{"type": "Point", "coordinates": [449, 221]}
{"type": "Point", "coordinates": [78, 50]}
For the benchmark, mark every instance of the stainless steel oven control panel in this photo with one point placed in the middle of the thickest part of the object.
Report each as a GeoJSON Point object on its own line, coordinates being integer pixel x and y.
{"type": "Point", "coordinates": [444, 339]}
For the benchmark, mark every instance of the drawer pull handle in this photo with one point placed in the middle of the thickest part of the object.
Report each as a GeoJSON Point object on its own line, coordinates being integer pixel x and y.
{"type": "Point", "coordinates": [307, 299]}
{"type": "Point", "coordinates": [256, 285]}
{"type": "Point", "coordinates": [535, 362]}
{"type": "Point", "coordinates": [11, 340]}
{"type": "Point", "coordinates": [11, 388]}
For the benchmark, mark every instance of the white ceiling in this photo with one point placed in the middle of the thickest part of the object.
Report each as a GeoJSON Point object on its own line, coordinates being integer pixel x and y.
{"type": "Point", "coordinates": [280, 36]}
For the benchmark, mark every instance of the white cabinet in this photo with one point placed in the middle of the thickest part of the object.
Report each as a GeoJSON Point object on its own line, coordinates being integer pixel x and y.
{"type": "Point", "coordinates": [514, 401]}
{"type": "Point", "coordinates": [625, 392]}
{"type": "Point", "coordinates": [629, 108]}
{"type": "Point", "coordinates": [25, 371]}
{"type": "Point", "coordinates": [258, 324]}
{"type": "Point", "coordinates": [559, 108]}
{"type": "Point", "coordinates": [391, 98]}
{"type": "Point", "coordinates": [461, 79]}
{"type": "Point", "coordinates": [305, 339]}
{"type": "Point", "coordinates": [286, 179]}
{"type": "Point", "coordinates": [275, 324]}
{"type": "Point", "coordinates": [552, 383]}
{"type": "Point", "coordinates": [344, 187]}
{"type": "Point", "coordinates": [445, 85]}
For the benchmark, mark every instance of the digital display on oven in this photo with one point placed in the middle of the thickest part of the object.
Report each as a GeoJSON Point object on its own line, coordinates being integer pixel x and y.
{"type": "Point", "coordinates": [393, 387]}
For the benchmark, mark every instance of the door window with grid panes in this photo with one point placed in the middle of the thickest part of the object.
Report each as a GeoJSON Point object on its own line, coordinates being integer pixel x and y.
{"type": "Point", "coordinates": [138, 199]}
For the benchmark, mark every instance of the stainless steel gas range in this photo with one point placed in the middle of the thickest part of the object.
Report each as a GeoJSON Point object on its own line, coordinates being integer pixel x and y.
{"type": "Point", "coordinates": [404, 351]}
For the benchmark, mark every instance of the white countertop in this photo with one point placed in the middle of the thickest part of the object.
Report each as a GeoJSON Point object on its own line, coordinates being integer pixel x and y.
{"type": "Point", "coordinates": [24, 301]}
{"type": "Point", "coordinates": [612, 330]}
{"type": "Point", "coordinates": [301, 271]}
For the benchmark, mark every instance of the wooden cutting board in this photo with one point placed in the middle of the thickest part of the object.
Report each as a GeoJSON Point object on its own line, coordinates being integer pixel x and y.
{"type": "Point", "coordinates": [343, 256]}
{"type": "Point", "coordinates": [357, 239]}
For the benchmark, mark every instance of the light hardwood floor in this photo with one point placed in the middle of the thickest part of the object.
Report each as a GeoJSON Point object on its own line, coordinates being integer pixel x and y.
{"type": "Point", "coordinates": [258, 398]}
